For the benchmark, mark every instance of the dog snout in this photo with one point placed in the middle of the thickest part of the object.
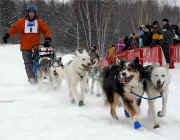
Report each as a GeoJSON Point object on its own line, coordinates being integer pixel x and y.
{"type": "Point", "coordinates": [89, 64]}
{"type": "Point", "coordinates": [158, 82]}
{"type": "Point", "coordinates": [45, 77]}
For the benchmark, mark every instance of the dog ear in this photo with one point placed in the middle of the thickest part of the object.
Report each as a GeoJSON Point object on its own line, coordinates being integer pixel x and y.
{"type": "Point", "coordinates": [85, 52]}
{"type": "Point", "coordinates": [77, 52]}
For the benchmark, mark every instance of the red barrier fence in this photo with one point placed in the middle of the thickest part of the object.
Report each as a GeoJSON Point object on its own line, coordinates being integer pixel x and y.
{"type": "Point", "coordinates": [174, 55]}
{"type": "Point", "coordinates": [145, 54]}
{"type": "Point", "coordinates": [151, 55]}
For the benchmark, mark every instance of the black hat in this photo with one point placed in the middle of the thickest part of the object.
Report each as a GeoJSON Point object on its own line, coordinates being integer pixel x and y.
{"type": "Point", "coordinates": [166, 20]}
{"type": "Point", "coordinates": [155, 23]}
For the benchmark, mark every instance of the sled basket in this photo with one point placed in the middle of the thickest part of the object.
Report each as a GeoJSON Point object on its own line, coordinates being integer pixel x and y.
{"type": "Point", "coordinates": [39, 51]}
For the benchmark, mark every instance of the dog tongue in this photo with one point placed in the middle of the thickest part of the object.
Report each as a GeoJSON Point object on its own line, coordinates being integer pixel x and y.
{"type": "Point", "coordinates": [86, 68]}
{"type": "Point", "coordinates": [159, 86]}
{"type": "Point", "coordinates": [125, 80]}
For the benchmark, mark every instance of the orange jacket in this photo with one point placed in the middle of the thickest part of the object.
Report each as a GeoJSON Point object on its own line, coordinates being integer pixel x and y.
{"type": "Point", "coordinates": [27, 38]}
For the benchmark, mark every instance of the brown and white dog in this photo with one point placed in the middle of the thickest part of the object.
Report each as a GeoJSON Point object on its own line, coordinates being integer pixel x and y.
{"type": "Point", "coordinates": [118, 83]}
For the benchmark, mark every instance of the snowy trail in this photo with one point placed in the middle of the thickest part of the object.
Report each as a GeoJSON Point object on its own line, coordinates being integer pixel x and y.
{"type": "Point", "coordinates": [30, 113]}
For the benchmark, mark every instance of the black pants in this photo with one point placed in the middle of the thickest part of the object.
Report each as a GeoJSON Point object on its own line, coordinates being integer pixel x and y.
{"type": "Point", "coordinates": [28, 62]}
{"type": "Point", "coordinates": [165, 48]}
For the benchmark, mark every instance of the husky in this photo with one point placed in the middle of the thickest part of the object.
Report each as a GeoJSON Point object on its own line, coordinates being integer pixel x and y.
{"type": "Point", "coordinates": [157, 84]}
{"type": "Point", "coordinates": [118, 82]}
{"type": "Point", "coordinates": [95, 70]}
{"type": "Point", "coordinates": [44, 70]}
{"type": "Point", "coordinates": [57, 79]}
{"type": "Point", "coordinates": [47, 71]}
{"type": "Point", "coordinates": [75, 72]}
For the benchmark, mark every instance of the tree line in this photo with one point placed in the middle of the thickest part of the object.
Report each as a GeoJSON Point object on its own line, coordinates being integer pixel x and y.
{"type": "Point", "coordinates": [82, 23]}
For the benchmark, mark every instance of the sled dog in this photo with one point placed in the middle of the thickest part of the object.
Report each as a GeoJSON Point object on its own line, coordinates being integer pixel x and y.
{"type": "Point", "coordinates": [74, 72]}
{"type": "Point", "coordinates": [157, 85]}
{"type": "Point", "coordinates": [119, 81]}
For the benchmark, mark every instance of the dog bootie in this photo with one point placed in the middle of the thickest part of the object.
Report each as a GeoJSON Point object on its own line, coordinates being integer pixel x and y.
{"type": "Point", "coordinates": [156, 126]}
{"type": "Point", "coordinates": [126, 114]}
{"type": "Point", "coordinates": [137, 125]}
{"type": "Point", "coordinates": [81, 103]}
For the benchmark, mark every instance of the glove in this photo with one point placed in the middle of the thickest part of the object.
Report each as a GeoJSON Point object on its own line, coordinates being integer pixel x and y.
{"type": "Point", "coordinates": [47, 42]}
{"type": "Point", "coordinates": [5, 37]}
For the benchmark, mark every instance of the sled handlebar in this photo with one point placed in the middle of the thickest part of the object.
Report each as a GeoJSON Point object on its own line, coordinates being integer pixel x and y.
{"type": "Point", "coordinates": [35, 46]}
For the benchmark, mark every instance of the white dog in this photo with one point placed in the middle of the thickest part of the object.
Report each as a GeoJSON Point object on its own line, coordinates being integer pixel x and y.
{"type": "Point", "coordinates": [75, 72]}
{"type": "Point", "coordinates": [157, 85]}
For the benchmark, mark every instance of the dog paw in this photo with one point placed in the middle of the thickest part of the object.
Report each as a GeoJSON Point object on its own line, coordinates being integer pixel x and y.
{"type": "Point", "coordinates": [156, 126]}
{"type": "Point", "coordinates": [81, 103]}
{"type": "Point", "coordinates": [160, 114]}
{"type": "Point", "coordinates": [126, 114]}
{"type": "Point", "coordinates": [115, 118]}
{"type": "Point", "coordinates": [137, 125]}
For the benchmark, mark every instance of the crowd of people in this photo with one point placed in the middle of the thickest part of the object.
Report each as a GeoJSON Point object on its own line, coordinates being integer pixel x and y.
{"type": "Point", "coordinates": [162, 34]}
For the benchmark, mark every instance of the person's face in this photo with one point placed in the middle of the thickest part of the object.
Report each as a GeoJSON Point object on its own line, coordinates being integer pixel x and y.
{"type": "Point", "coordinates": [155, 26]}
{"type": "Point", "coordinates": [31, 14]}
{"type": "Point", "coordinates": [164, 22]}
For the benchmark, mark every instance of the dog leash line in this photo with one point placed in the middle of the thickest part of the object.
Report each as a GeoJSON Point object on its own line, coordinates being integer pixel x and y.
{"type": "Point", "coordinates": [146, 98]}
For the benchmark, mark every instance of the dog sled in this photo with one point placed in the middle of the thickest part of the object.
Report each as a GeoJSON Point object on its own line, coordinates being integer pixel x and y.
{"type": "Point", "coordinates": [39, 51]}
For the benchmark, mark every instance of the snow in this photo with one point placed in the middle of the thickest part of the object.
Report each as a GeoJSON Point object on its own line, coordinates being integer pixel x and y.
{"type": "Point", "coordinates": [31, 113]}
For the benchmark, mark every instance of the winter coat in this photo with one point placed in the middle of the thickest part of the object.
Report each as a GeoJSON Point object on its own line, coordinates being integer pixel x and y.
{"type": "Point", "coordinates": [30, 32]}
{"type": "Point", "coordinates": [176, 31]}
{"type": "Point", "coordinates": [127, 43]}
{"type": "Point", "coordinates": [168, 34]}
{"type": "Point", "coordinates": [156, 36]}
{"type": "Point", "coordinates": [111, 52]}
{"type": "Point", "coordinates": [119, 47]}
{"type": "Point", "coordinates": [147, 38]}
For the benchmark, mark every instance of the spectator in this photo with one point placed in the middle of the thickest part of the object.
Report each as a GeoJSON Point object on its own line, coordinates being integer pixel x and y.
{"type": "Point", "coordinates": [110, 54]}
{"type": "Point", "coordinates": [176, 31]}
{"type": "Point", "coordinates": [127, 43]}
{"type": "Point", "coordinates": [167, 38]}
{"type": "Point", "coordinates": [140, 36]}
{"type": "Point", "coordinates": [133, 41]}
{"type": "Point", "coordinates": [147, 36]}
{"type": "Point", "coordinates": [119, 47]}
{"type": "Point", "coordinates": [156, 34]}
